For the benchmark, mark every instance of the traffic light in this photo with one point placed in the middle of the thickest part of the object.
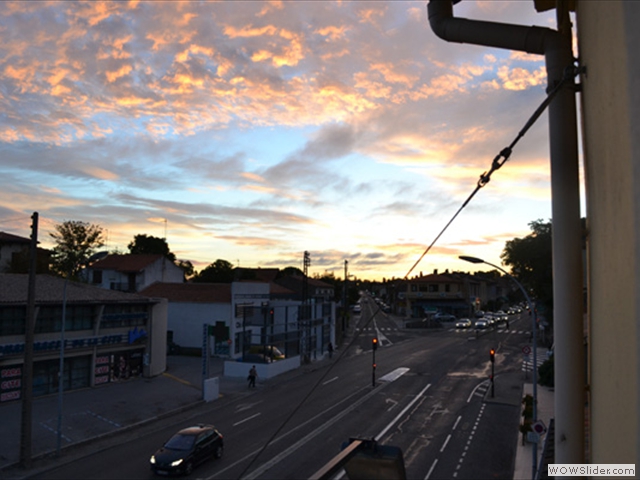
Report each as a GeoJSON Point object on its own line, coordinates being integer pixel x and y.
{"type": "Point", "coordinates": [374, 343]}
{"type": "Point", "coordinates": [492, 355]}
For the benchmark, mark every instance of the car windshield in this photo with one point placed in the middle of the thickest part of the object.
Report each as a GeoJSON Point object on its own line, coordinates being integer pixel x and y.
{"type": "Point", "coordinates": [180, 442]}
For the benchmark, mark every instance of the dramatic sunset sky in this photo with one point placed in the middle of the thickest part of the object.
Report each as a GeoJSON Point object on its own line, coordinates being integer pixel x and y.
{"type": "Point", "coordinates": [253, 131]}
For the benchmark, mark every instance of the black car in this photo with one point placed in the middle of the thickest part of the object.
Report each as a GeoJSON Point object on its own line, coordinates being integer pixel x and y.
{"type": "Point", "coordinates": [186, 449]}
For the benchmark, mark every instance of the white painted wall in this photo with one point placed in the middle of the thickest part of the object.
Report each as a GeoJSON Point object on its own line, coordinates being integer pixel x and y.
{"type": "Point", "coordinates": [186, 320]}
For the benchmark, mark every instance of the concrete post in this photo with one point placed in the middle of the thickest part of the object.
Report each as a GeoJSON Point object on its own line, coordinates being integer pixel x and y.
{"type": "Point", "coordinates": [567, 263]}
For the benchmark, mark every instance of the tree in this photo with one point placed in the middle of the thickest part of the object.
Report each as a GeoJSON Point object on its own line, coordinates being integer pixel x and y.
{"type": "Point", "coordinates": [531, 263]}
{"type": "Point", "coordinates": [75, 242]}
{"type": "Point", "coordinates": [148, 244]}
{"type": "Point", "coordinates": [187, 267]}
{"type": "Point", "coordinates": [219, 271]}
{"type": "Point", "coordinates": [290, 271]}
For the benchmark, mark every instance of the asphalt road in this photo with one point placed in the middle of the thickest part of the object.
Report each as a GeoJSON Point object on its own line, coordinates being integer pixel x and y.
{"type": "Point", "coordinates": [427, 400]}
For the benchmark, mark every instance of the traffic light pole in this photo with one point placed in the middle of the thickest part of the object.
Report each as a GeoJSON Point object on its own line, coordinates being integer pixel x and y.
{"type": "Point", "coordinates": [492, 357]}
{"type": "Point", "coordinates": [493, 392]}
{"type": "Point", "coordinates": [374, 344]}
{"type": "Point", "coordinates": [373, 370]}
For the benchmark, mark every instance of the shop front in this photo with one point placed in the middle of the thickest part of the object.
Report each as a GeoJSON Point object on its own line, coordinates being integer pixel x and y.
{"type": "Point", "coordinates": [107, 337]}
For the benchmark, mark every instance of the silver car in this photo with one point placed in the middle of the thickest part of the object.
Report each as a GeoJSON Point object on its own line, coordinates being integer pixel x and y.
{"type": "Point", "coordinates": [463, 323]}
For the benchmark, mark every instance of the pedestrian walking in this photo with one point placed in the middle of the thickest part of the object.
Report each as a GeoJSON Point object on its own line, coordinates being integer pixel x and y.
{"type": "Point", "coordinates": [330, 349]}
{"type": "Point", "coordinates": [253, 373]}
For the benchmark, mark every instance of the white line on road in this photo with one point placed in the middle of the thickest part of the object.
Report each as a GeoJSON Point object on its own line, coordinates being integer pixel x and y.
{"type": "Point", "coordinates": [342, 472]}
{"type": "Point", "coordinates": [444, 445]}
{"type": "Point", "coordinates": [457, 422]}
{"type": "Point", "coordinates": [474, 390]}
{"type": "Point", "coordinates": [246, 419]}
{"type": "Point", "coordinates": [329, 381]}
{"type": "Point", "coordinates": [393, 422]}
{"type": "Point", "coordinates": [433, 465]}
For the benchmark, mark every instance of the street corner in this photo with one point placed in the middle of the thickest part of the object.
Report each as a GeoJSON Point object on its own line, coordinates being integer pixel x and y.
{"type": "Point", "coordinates": [507, 389]}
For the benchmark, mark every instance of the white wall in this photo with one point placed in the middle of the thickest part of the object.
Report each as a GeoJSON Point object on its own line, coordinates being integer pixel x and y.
{"type": "Point", "coordinates": [186, 320]}
{"type": "Point", "coordinates": [608, 43]}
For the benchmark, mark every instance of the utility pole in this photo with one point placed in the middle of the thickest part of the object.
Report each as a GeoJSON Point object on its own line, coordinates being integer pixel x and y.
{"type": "Point", "coordinates": [306, 308]}
{"type": "Point", "coordinates": [344, 297]}
{"type": "Point", "coordinates": [27, 367]}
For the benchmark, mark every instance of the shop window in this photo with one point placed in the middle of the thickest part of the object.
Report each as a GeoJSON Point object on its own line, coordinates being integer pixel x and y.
{"type": "Point", "coordinates": [125, 365]}
{"type": "Point", "coordinates": [45, 375]}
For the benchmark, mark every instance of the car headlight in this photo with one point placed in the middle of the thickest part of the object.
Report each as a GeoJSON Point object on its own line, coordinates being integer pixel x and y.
{"type": "Point", "coordinates": [153, 459]}
{"type": "Point", "coordinates": [176, 463]}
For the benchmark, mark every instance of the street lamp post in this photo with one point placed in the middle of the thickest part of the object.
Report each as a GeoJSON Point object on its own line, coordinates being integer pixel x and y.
{"type": "Point", "coordinates": [61, 366]}
{"type": "Point", "coordinates": [534, 460]}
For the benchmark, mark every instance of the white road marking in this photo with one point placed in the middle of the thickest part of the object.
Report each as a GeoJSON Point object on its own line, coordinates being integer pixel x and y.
{"type": "Point", "coordinates": [246, 419]}
{"type": "Point", "coordinates": [433, 465]}
{"type": "Point", "coordinates": [329, 381]}
{"type": "Point", "coordinates": [444, 445]}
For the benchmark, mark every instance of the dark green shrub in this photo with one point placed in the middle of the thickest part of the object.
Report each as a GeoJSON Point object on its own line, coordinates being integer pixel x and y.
{"type": "Point", "coordinates": [545, 373]}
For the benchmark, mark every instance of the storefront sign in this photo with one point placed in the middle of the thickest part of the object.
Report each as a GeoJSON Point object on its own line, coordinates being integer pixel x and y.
{"type": "Point", "coordinates": [18, 348]}
{"type": "Point", "coordinates": [10, 383]}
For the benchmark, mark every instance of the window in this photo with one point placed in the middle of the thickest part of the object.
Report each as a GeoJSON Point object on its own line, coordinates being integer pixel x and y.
{"type": "Point", "coordinates": [45, 374]}
{"type": "Point", "coordinates": [97, 276]}
{"type": "Point", "coordinates": [124, 315]}
{"type": "Point", "coordinates": [433, 288]}
{"type": "Point", "coordinates": [12, 320]}
{"type": "Point", "coordinates": [77, 317]}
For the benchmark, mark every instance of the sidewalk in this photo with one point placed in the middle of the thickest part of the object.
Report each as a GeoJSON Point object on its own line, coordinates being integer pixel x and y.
{"type": "Point", "coordinates": [524, 453]}
{"type": "Point", "coordinates": [92, 414]}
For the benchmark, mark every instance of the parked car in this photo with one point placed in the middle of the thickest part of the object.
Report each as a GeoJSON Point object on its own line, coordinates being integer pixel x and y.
{"type": "Point", "coordinates": [463, 323]}
{"type": "Point", "coordinates": [255, 358]}
{"type": "Point", "coordinates": [270, 351]}
{"type": "Point", "coordinates": [186, 449]}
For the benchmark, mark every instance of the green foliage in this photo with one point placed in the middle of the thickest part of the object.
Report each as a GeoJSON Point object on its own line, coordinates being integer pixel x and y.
{"type": "Point", "coordinates": [531, 262]}
{"type": "Point", "coordinates": [75, 242]}
{"type": "Point", "coordinates": [545, 373]}
{"type": "Point", "coordinates": [148, 244]}
{"type": "Point", "coordinates": [187, 267]}
{"type": "Point", "coordinates": [219, 271]}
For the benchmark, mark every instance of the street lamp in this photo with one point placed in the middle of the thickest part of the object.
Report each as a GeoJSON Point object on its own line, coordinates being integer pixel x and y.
{"type": "Point", "coordinates": [535, 348]}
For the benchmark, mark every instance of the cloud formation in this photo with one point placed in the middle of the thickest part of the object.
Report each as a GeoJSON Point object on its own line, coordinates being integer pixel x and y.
{"type": "Point", "coordinates": [265, 129]}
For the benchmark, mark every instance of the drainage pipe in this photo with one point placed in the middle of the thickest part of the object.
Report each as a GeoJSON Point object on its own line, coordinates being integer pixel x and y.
{"type": "Point", "coordinates": [569, 360]}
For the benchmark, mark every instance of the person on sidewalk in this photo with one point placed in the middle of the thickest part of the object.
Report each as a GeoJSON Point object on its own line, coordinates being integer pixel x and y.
{"type": "Point", "coordinates": [253, 373]}
{"type": "Point", "coordinates": [330, 349]}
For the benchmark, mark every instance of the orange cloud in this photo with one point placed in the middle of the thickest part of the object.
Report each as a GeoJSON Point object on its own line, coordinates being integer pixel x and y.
{"type": "Point", "coordinates": [520, 78]}
{"type": "Point", "coordinates": [253, 176]}
{"type": "Point", "coordinates": [121, 72]}
{"type": "Point", "coordinates": [332, 32]}
{"type": "Point", "coordinates": [100, 173]}
{"type": "Point", "coordinates": [391, 74]}
{"type": "Point", "coordinates": [249, 31]}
